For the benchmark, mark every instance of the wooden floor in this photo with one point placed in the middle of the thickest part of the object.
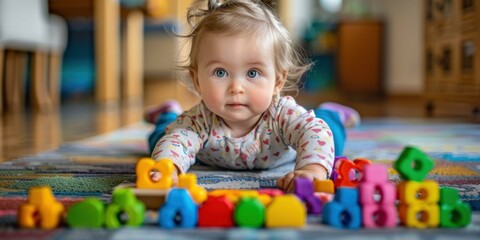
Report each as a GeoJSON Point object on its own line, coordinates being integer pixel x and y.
{"type": "Point", "coordinates": [28, 133]}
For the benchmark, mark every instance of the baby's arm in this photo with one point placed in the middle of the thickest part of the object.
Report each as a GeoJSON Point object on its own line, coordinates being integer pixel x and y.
{"type": "Point", "coordinates": [310, 171]}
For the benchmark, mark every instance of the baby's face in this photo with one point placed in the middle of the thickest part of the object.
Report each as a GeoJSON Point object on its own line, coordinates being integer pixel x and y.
{"type": "Point", "coordinates": [236, 77]}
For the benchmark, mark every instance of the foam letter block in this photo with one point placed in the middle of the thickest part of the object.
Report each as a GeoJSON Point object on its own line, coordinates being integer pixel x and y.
{"type": "Point", "coordinates": [189, 182]}
{"type": "Point", "coordinates": [418, 204]}
{"type": "Point", "coordinates": [286, 211]}
{"type": "Point", "coordinates": [41, 209]}
{"type": "Point", "coordinates": [336, 165]}
{"type": "Point", "coordinates": [124, 202]}
{"type": "Point", "coordinates": [344, 178]}
{"type": "Point", "coordinates": [90, 213]}
{"type": "Point", "coordinates": [216, 212]}
{"type": "Point", "coordinates": [179, 210]}
{"type": "Point", "coordinates": [303, 188]}
{"type": "Point", "coordinates": [343, 211]}
{"type": "Point", "coordinates": [249, 212]}
{"type": "Point", "coordinates": [413, 164]}
{"type": "Point", "coordinates": [453, 212]}
{"type": "Point", "coordinates": [146, 165]}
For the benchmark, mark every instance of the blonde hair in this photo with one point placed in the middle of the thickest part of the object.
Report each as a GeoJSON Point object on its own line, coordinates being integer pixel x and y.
{"type": "Point", "coordinates": [236, 17]}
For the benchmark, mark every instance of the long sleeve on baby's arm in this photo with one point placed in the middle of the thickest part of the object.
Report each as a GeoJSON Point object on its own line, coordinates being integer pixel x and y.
{"type": "Point", "coordinates": [182, 140]}
{"type": "Point", "coordinates": [309, 136]}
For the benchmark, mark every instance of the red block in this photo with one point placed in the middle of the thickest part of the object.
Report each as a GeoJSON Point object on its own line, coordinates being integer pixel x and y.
{"type": "Point", "coordinates": [216, 212]}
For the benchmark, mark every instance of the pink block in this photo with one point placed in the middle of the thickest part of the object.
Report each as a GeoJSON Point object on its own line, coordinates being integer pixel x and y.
{"type": "Point", "coordinates": [386, 193]}
{"type": "Point", "coordinates": [375, 173]}
{"type": "Point", "coordinates": [379, 216]}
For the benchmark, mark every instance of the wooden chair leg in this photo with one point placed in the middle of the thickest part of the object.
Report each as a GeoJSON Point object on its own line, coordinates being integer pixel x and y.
{"type": "Point", "coordinates": [54, 76]}
{"type": "Point", "coordinates": [14, 84]}
{"type": "Point", "coordinates": [132, 87]}
{"type": "Point", "coordinates": [40, 99]}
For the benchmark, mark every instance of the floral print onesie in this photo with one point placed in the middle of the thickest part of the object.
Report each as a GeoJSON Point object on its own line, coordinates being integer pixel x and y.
{"type": "Point", "coordinates": [286, 132]}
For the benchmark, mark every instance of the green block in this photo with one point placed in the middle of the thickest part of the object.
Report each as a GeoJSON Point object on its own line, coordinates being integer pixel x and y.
{"type": "Point", "coordinates": [249, 212]}
{"type": "Point", "coordinates": [413, 164]}
{"type": "Point", "coordinates": [89, 213]}
{"type": "Point", "coordinates": [453, 212]}
{"type": "Point", "coordinates": [125, 210]}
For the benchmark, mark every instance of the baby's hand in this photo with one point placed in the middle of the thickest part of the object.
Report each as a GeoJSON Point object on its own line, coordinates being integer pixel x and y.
{"type": "Point", "coordinates": [310, 171]}
{"type": "Point", "coordinates": [156, 176]}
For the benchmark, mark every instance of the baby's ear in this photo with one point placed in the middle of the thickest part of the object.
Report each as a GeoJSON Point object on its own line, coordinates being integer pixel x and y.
{"type": "Point", "coordinates": [280, 81]}
{"type": "Point", "coordinates": [194, 75]}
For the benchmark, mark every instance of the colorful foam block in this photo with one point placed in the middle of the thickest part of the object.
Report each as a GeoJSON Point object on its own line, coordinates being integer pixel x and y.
{"type": "Point", "coordinates": [419, 215]}
{"type": "Point", "coordinates": [336, 165]}
{"type": "Point", "coordinates": [379, 215]}
{"type": "Point", "coordinates": [411, 192]}
{"type": "Point", "coordinates": [418, 204]}
{"type": "Point", "coordinates": [249, 212]}
{"type": "Point", "coordinates": [124, 203]}
{"type": "Point", "coordinates": [216, 212]}
{"type": "Point", "coordinates": [343, 211]}
{"type": "Point", "coordinates": [303, 188]}
{"type": "Point", "coordinates": [41, 209]}
{"type": "Point", "coordinates": [344, 179]}
{"type": "Point", "coordinates": [325, 186]}
{"type": "Point", "coordinates": [146, 166]}
{"type": "Point", "coordinates": [285, 211]}
{"type": "Point", "coordinates": [377, 197]}
{"type": "Point", "coordinates": [375, 181]}
{"type": "Point", "coordinates": [90, 213]}
{"type": "Point", "coordinates": [179, 210]}
{"type": "Point", "coordinates": [413, 164]}
{"type": "Point", "coordinates": [189, 182]}
{"type": "Point", "coordinates": [453, 212]}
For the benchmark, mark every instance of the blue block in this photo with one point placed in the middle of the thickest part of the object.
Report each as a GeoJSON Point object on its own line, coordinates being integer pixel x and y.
{"type": "Point", "coordinates": [344, 211]}
{"type": "Point", "coordinates": [179, 210]}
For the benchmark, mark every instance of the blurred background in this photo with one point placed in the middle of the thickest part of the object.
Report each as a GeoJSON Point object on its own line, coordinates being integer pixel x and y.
{"type": "Point", "coordinates": [77, 68]}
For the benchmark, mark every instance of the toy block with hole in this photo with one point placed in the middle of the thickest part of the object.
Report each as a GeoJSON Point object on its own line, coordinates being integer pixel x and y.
{"type": "Point", "coordinates": [345, 178]}
{"type": "Point", "coordinates": [285, 211]}
{"type": "Point", "coordinates": [216, 212]}
{"type": "Point", "coordinates": [413, 164]}
{"type": "Point", "coordinates": [411, 192]}
{"type": "Point", "coordinates": [146, 168]}
{"type": "Point", "coordinates": [189, 182]}
{"type": "Point", "coordinates": [375, 183]}
{"type": "Point", "coordinates": [41, 210]}
{"type": "Point", "coordinates": [303, 188]}
{"type": "Point", "coordinates": [343, 211]}
{"type": "Point", "coordinates": [453, 212]}
{"type": "Point", "coordinates": [325, 186]}
{"type": "Point", "coordinates": [336, 164]}
{"type": "Point", "coordinates": [89, 213]}
{"type": "Point", "coordinates": [249, 212]}
{"type": "Point", "coordinates": [179, 210]}
{"type": "Point", "coordinates": [418, 204]}
{"type": "Point", "coordinates": [419, 215]}
{"type": "Point", "coordinates": [124, 209]}
{"type": "Point", "coordinates": [377, 197]}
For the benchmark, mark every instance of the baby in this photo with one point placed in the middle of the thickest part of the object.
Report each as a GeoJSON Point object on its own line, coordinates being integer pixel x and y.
{"type": "Point", "coordinates": [241, 61]}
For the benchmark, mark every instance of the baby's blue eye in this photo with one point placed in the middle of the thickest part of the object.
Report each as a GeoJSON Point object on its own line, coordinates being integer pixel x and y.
{"type": "Point", "coordinates": [220, 73]}
{"type": "Point", "coordinates": [252, 73]}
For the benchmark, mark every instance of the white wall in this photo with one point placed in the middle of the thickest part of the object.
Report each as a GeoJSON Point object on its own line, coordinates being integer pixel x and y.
{"type": "Point", "coordinates": [404, 46]}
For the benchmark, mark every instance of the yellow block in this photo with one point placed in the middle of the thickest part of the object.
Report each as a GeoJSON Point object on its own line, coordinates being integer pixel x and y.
{"type": "Point", "coordinates": [411, 192]}
{"type": "Point", "coordinates": [325, 186]}
{"type": "Point", "coordinates": [419, 215]}
{"type": "Point", "coordinates": [41, 209]}
{"type": "Point", "coordinates": [285, 211]}
{"type": "Point", "coordinates": [189, 182]}
{"type": "Point", "coordinates": [146, 165]}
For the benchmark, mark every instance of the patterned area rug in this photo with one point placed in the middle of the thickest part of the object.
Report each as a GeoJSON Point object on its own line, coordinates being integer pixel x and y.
{"type": "Point", "coordinates": [92, 167]}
